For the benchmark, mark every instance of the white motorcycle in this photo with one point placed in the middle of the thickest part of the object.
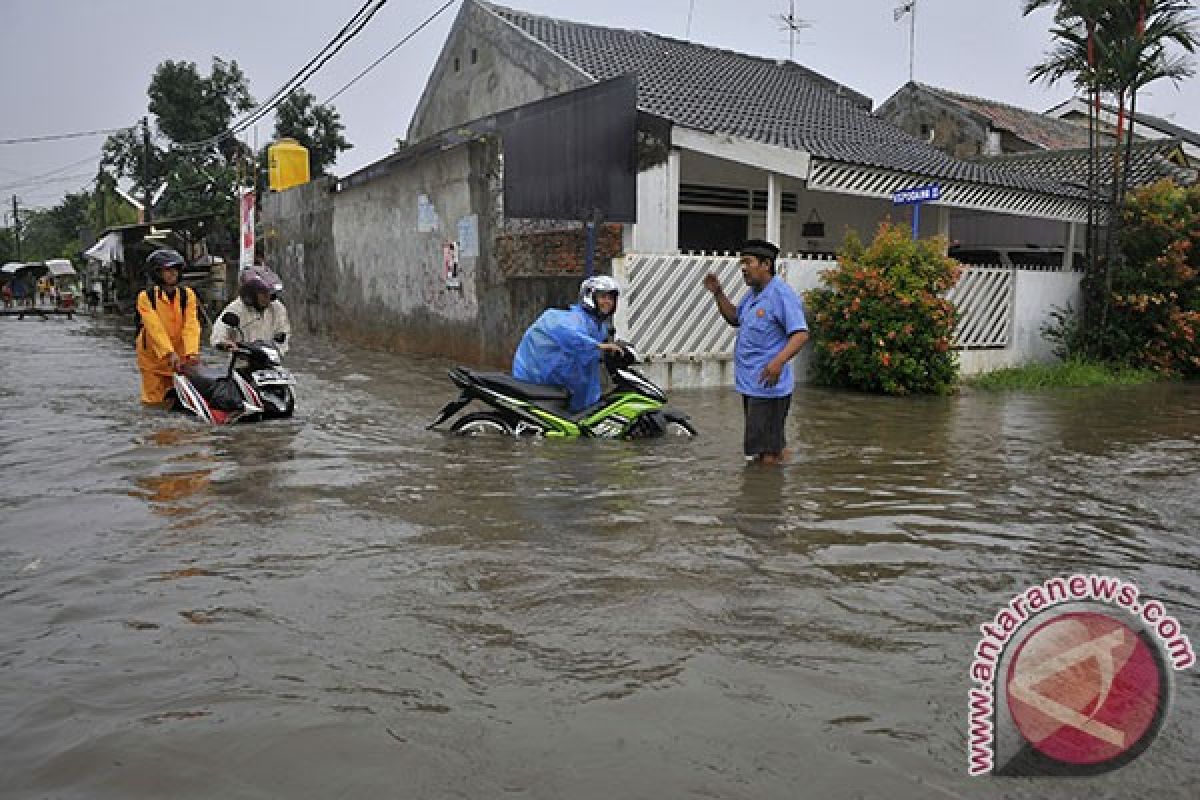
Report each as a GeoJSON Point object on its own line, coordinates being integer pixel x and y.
{"type": "Point", "coordinates": [254, 386]}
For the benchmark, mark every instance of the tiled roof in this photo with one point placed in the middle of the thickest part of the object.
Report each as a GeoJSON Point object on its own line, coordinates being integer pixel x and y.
{"type": "Point", "coordinates": [1048, 133]}
{"type": "Point", "coordinates": [1152, 161]}
{"type": "Point", "coordinates": [775, 102]}
{"type": "Point", "coordinates": [1143, 120]}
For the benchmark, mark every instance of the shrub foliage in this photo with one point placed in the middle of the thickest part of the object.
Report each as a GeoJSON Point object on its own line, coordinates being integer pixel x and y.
{"type": "Point", "coordinates": [882, 323]}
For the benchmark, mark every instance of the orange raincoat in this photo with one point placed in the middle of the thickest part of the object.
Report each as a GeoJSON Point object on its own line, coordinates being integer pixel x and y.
{"type": "Point", "coordinates": [166, 329]}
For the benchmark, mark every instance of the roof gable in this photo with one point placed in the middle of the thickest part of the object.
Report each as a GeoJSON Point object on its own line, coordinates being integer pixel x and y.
{"type": "Point", "coordinates": [1040, 130]}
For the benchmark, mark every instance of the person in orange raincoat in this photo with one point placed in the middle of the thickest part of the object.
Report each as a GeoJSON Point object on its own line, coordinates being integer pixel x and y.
{"type": "Point", "coordinates": [170, 327]}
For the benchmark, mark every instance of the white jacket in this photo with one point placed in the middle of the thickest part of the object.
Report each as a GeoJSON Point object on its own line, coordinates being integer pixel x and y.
{"type": "Point", "coordinates": [255, 325]}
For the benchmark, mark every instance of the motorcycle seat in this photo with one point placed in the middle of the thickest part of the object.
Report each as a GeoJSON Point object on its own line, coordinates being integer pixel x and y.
{"type": "Point", "coordinates": [535, 392]}
{"type": "Point", "coordinates": [205, 378]}
{"type": "Point", "coordinates": [215, 386]}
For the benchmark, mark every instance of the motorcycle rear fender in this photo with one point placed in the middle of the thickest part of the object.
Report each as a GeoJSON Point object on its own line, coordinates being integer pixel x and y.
{"type": "Point", "coordinates": [450, 409]}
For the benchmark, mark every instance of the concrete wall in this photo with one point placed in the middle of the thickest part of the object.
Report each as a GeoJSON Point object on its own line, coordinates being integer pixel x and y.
{"type": "Point", "coordinates": [1037, 294]}
{"type": "Point", "coordinates": [298, 244]}
{"type": "Point", "coordinates": [367, 264]}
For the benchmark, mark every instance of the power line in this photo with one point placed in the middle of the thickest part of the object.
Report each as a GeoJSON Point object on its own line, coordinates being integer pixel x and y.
{"type": "Point", "coordinates": [49, 173]}
{"type": "Point", "coordinates": [331, 48]}
{"type": "Point", "coordinates": [393, 49]}
{"type": "Point", "coordinates": [54, 137]}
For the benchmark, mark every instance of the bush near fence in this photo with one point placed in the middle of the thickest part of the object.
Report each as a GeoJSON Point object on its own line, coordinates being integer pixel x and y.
{"type": "Point", "coordinates": [882, 323]}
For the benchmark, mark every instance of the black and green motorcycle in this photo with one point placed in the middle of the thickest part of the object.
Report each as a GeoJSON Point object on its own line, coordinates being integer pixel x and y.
{"type": "Point", "coordinates": [634, 408]}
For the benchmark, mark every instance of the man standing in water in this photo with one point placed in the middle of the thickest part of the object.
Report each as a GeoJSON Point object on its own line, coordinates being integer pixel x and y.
{"type": "Point", "coordinates": [170, 329]}
{"type": "Point", "coordinates": [771, 331]}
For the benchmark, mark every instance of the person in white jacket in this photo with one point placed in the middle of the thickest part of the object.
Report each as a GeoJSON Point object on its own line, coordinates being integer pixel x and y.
{"type": "Point", "coordinates": [263, 317]}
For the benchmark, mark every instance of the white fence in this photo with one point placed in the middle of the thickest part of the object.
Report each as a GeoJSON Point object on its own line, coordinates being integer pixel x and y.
{"type": "Point", "coordinates": [670, 316]}
{"type": "Point", "coordinates": [983, 298]}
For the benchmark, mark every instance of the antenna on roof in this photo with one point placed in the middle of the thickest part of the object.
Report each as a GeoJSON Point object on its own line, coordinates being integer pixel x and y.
{"type": "Point", "coordinates": [791, 23]}
{"type": "Point", "coordinates": [691, 7]}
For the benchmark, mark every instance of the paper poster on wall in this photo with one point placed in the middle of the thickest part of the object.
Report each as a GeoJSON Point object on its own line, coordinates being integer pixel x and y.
{"type": "Point", "coordinates": [468, 237]}
{"type": "Point", "coordinates": [450, 265]}
{"type": "Point", "coordinates": [427, 216]}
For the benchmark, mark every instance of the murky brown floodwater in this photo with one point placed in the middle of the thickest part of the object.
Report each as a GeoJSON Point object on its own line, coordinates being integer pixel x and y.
{"type": "Point", "coordinates": [346, 605]}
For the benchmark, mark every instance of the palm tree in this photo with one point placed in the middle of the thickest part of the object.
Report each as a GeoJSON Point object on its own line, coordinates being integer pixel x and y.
{"type": "Point", "coordinates": [1140, 57]}
{"type": "Point", "coordinates": [1074, 55]}
{"type": "Point", "coordinates": [1115, 47]}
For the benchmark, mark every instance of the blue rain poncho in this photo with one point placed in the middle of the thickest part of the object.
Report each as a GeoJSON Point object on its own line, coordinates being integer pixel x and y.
{"type": "Point", "coordinates": [560, 349]}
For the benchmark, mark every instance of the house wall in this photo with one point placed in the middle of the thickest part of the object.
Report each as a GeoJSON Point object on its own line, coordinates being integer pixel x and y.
{"type": "Point", "coordinates": [485, 66]}
{"type": "Point", "coordinates": [840, 213]}
{"type": "Point", "coordinates": [955, 130]}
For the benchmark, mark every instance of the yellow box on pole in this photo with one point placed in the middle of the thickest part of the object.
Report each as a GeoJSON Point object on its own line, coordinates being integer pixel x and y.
{"type": "Point", "coordinates": [287, 164]}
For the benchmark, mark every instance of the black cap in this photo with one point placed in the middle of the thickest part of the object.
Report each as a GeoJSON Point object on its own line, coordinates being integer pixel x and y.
{"type": "Point", "coordinates": [760, 248]}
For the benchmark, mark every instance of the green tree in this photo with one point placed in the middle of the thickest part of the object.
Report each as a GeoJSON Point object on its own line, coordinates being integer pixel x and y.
{"type": "Point", "coordinates": [55, 232]}
{"type": "Point", "coordinates": [317, 127]}
{"type": "Point", "coordinates": [8, 245]}
{"type": "Point", "coordinates": [190, 111]}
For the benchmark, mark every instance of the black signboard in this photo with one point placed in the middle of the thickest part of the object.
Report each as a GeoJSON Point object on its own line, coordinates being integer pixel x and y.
{"type": "Point", "coordinates": [574, 155]}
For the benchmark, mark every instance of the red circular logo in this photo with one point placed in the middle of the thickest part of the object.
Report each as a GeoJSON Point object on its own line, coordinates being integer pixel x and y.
{"type": "Point", "coordinates": [1084, 689]}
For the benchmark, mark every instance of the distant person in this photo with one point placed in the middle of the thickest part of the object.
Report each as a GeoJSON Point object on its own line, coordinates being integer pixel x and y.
{"type": "Point", "coordinates": [771, 331]}
{"type": "Point", "coordinates": [169, 338]}
{"type": "Point", "coordinates": [262, 314]}
{"type": "Point", "coordinates": [563, 348]}
{"type": "Point", "coordinates": [7, 293]}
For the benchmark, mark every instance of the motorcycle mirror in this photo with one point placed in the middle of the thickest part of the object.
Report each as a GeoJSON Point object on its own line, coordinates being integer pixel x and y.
{"type": "Point", "coordinates": [280, 338]}
{"type": "Point", "coordinates": [231, 319]}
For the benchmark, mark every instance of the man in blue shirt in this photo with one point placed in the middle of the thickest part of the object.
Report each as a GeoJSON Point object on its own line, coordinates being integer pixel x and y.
{"type": "Point", "coordinates": [771, 331]}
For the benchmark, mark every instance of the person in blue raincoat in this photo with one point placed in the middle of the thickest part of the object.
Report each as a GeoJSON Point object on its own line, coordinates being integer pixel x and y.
{"type": "Point", "coordinates": [563, 348]}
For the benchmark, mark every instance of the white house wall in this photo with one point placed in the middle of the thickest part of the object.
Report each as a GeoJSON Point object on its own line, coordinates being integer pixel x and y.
{"type": "Point", "coordinates": [657, 228]}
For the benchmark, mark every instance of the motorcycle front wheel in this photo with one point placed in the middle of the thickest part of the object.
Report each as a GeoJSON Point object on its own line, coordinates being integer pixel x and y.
{"type": "Point", "coordinates": [481, 423]}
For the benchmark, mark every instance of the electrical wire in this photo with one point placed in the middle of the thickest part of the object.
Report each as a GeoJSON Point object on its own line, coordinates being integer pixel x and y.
{"type": "Point", "coordinates": [54, 137]}
{"type": "Point", "coordinates": [393, 49]}
{"type": "Point", "coordinates": [331, 48]}
{"type": "Point", "coordinates": [35, 178]}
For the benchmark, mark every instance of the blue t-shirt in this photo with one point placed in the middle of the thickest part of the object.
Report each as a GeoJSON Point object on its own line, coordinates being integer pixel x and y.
{"type": "Point", "coordinates": [766, 320]}
{"type": "Point", "coordinates": [560, 349]}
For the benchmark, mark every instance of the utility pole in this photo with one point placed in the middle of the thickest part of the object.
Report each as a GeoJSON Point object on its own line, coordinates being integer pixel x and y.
{"type": "Point", "coordinates": [17, 227]}
{"type": "Point", "coordinates": [148, 214]}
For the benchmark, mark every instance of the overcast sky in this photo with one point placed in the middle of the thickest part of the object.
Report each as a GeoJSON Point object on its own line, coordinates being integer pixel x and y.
{"type": "Point", "coordinates": [76, 65]}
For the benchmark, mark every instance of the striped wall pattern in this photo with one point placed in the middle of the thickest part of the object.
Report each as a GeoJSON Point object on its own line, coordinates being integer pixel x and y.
{"type": "Point", "coordinates": [666, 312]}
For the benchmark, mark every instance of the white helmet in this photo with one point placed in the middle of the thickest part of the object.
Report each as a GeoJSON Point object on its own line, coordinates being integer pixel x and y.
{"type": "Point", "coordinates": [598, 284]}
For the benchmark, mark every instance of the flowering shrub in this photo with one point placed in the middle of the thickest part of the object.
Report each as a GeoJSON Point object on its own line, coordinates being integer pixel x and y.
{"type": "Point", "coordinates": [1154, 315]}
{"type": "Point", "coordinates": [881, 323]}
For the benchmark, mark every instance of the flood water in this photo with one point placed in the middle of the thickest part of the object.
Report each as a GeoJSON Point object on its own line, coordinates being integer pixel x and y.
{"type": "Point", "coordinates": [345, 605]}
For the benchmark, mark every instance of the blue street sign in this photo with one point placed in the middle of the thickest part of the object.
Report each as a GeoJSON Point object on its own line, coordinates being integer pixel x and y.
{"type": "Point", "coordinates": [918, 194]}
